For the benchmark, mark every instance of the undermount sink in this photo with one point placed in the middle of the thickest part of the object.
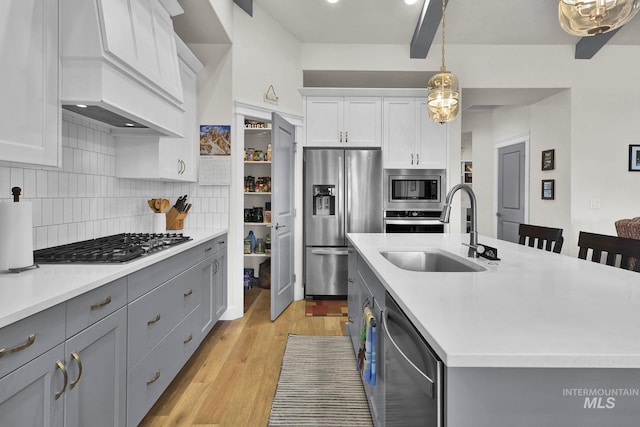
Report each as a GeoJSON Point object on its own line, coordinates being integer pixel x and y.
{"type": "Point", "coordinates": [431, 260]}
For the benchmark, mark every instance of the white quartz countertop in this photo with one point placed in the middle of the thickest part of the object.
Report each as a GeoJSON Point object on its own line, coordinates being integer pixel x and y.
{"type": "Point", "coordinates": [29, 292]}
{"type": "Point", "coordinates": [531, 309]}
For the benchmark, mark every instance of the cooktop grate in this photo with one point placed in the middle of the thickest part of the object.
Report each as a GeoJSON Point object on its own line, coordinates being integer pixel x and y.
{"type": "Point", "coordinates": [118, 248]}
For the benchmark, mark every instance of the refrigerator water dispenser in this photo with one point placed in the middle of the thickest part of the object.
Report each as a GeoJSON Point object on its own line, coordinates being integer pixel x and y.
{"type": "Point", "coordinates": [324, 200]}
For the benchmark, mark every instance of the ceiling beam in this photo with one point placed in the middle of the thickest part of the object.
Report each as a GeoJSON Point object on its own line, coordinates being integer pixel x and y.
{"type": "Point", "coordinates": [426, 28]}
{"type": "Point", "coordinates": [589, 46]}
{"type": "Point", "coordinates": [246, 5]}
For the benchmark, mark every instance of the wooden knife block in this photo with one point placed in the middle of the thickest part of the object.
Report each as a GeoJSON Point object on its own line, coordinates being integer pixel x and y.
{"type": "Point", "coordinates": [175, 219]}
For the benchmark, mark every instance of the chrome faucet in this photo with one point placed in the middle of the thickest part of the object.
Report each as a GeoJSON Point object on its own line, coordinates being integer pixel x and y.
{"type": "Point", "coordinates": [474, 248]}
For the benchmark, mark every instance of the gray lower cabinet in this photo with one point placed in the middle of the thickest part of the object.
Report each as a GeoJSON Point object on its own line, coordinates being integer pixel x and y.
{"type": "Point", "coordinates": [365, 290]}
{"type": "Point", "coordinates": [102, 359]}
{"type": "Point", "coordinates": [28, 394]}
{"type": "Point", "coordinates": [96, 365]}
{"type": "Point", "coordinates": [214, 284]}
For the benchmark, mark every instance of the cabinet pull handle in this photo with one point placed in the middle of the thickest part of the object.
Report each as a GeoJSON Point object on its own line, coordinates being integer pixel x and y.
{"type": "Point", "coordinates": [101, 304]}
{"type": "Point", "coordinates": [340, 136]}
{"type": "Point", "coordinates": [154, 320]}
{"type": "Point", "coordinates": [76, 357]}
{"type": "Point", "coordinates": [208, 249]}
{"type": "Point", "coordinates": [411, 158]}
{"type": "Point", "coordinates": [221, 242]}
{"type": "Point", "coordinates": [417, 158]}
{"type": "Point", "coordinates": [154, 379]}
{"type": "Point", "coordinates": [66, 379]}
{"type": "Point", "coordinates": [188, 339]}
{"type": "Point", "coordinates": [30, 340]}
{"type": "Point", "coordinates": [215, 266]}
{"type": "Point", "coordinates": [350, 280]}
{"type": "Point", "coordinates": [188, 293]}
{"type": "Point", "coordinates": [346, 137]}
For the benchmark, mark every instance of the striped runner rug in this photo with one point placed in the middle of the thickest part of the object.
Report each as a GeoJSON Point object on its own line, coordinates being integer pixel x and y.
{"type": "Point", "coordinates": [319, 385]}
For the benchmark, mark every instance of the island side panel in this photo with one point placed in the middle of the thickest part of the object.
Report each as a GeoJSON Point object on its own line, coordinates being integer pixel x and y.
{"type": "Point", "coordinates": [534, 397]}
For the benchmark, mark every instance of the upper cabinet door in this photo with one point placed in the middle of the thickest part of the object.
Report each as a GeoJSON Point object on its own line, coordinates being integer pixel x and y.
{"type": "Point", "coordinates": [363, 122]}
{"type": "Point", "coordinates": [324, 121]}
{"type": "Point", "coordinates": [344, 122]}
{"type": "Point", "coordinates": [431, 146]}
{"type": "Point", "coordinates": [29, 82]}
{"type": "Point", "coordinates": [398, 151]}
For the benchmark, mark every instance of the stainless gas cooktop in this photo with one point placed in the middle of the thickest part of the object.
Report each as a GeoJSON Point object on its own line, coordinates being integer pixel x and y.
{"type": "Point", "coordinates": [115, 249]}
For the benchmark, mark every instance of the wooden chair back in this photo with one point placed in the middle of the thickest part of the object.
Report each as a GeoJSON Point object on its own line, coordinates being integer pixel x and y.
{"type": "Point", "coordinates": [620, 250]}
{"type": "Point", "coordinates": [547, 238]}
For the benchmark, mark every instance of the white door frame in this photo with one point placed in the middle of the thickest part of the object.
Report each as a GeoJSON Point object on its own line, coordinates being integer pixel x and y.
{"type": "Point", "coordinates": [235, 249]}
{"type": "Point", "coordinates": [524, 137]}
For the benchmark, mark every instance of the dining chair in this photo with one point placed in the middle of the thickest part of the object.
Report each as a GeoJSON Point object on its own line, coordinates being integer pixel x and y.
{"type": "Point", "coordinates": [547, 238]}
{"type": "Point", "coordinates": [621, 251]}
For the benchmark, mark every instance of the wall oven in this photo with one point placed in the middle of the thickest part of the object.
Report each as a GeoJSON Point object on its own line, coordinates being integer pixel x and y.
{"type": "Point", "coordinates": [413, 200]}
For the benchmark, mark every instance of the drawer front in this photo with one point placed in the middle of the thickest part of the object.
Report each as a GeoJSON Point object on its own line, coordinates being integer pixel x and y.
{"type": "Point", "coordinates": [154, 315]}
{"type": "Point", "coordinates": [148, 379]}
{"type": "Point", "coordinates": [28, 338]}
{"type": "Point", "coordinates": [88, 308]}
{"type": "Point", "coordinates": [212, 246]}
{"type": "Point", "coordinates": [144, 280]}
{"type": "Point", "coordinates": [372, 282]}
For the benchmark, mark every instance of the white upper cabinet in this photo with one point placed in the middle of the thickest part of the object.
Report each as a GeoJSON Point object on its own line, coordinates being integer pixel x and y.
{"type": "Point", "coordinates": [29, 82]}
{"type": "Point", "coordinates": [410, 139]}
{"type": "Point", "coordinates": [343, 121]}
{"type": "Point", "coordinates": [160, 157]}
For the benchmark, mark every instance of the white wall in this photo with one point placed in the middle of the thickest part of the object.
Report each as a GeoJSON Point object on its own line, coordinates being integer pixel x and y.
{"type": "Point", "coordinates": [265, 54]}
{"type": "Point", "coordinates": [551, 129]}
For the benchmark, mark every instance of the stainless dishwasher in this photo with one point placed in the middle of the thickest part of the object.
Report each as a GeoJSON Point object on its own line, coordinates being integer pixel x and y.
{"type": "Point", "coordinates": [413, 374]}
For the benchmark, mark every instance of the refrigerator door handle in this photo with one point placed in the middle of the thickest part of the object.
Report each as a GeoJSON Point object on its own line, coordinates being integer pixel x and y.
{"type": "Point", "coordinates": [341, 198]}
{"type": "Point", "coordinates": [330, 252]}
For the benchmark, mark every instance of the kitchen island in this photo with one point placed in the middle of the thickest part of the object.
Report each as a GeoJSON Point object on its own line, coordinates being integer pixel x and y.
{"type": "Point", "coordinates": [536, 339]}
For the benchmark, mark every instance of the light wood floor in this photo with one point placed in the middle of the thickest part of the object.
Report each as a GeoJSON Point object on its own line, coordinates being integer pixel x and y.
{"type": "Point", "coordinates": [231, 380]}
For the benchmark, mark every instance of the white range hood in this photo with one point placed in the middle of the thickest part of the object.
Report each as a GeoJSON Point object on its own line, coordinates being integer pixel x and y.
{"type": "Point", "coordinates": [119, 63]}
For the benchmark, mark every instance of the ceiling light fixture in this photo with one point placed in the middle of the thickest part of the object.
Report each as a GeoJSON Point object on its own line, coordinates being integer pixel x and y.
{"type": "Point", "coordinates": [593, 17]}
{"type": "Point", "coordinates": [332, 1]}
{"type": "Point", "coordinates": [410, 2]}
{"type": "Point", "coordinates": [442, 91]}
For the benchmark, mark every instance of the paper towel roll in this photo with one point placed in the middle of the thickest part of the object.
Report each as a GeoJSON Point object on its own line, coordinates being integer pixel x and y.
{"type": "Point", "coordinates": [16, 235]}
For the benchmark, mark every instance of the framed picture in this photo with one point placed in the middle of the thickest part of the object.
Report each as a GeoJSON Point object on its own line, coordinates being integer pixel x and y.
{"type": "Point", "coordinates": [634, 158]}
{"type": "Point", "coordinates": [215, 140]}
{"type": "Point", "coordinates": [548, 189]}
{"type": "Point", "coordinates": [548, 160]}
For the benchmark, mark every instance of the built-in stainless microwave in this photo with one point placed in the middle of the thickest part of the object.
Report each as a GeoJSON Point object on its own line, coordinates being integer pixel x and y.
{"type": "Point", "coordinates": [413, 189]}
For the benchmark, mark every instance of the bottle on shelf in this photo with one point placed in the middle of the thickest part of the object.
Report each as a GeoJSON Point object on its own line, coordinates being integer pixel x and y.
{"type": "Point", "coordinates": [252, 239]}
{"type": "Point", "coordinates": [260, 246]}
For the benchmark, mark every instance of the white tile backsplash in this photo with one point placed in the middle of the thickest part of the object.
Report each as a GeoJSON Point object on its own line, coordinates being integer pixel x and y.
{"type": "Point", "coordinates": [83, 199]}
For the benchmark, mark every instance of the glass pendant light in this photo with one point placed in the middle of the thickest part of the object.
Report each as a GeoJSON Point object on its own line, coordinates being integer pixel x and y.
{"type": "Point", "coordinates": [592, 17]}
{"type": "Point", "coordinates": [442, 91]}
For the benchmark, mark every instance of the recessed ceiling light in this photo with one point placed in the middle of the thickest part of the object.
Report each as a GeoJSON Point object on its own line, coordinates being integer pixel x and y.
{"type": "Point", "coordinates": [332, 1]}
{"type": "Point", "coordinates": [129, 124]}
{"type": "Point", "coordinates": [410, 2]}
{"type": "Point", "coordinates": [81, 106]}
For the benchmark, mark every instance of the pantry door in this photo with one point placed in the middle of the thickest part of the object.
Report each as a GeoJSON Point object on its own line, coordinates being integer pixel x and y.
{"type": "Point", "coordinates": [282, 212]}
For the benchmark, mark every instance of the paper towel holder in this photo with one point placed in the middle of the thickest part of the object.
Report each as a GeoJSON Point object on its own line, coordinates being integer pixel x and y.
{"type": "Point", "coordinates": [16, 191]}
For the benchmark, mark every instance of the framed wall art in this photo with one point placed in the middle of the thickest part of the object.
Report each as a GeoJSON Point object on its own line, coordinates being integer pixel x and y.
{"type": "Point", "coordinates": [548, 189]}
{"type": "Point", "coordinates": [548, 160]}
{"type": "Point", "coordinates": [634, 158]}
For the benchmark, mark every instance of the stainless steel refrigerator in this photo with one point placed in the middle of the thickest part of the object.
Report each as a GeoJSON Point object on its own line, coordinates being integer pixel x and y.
{"type": "Point", "coordinates": [342, 194]}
